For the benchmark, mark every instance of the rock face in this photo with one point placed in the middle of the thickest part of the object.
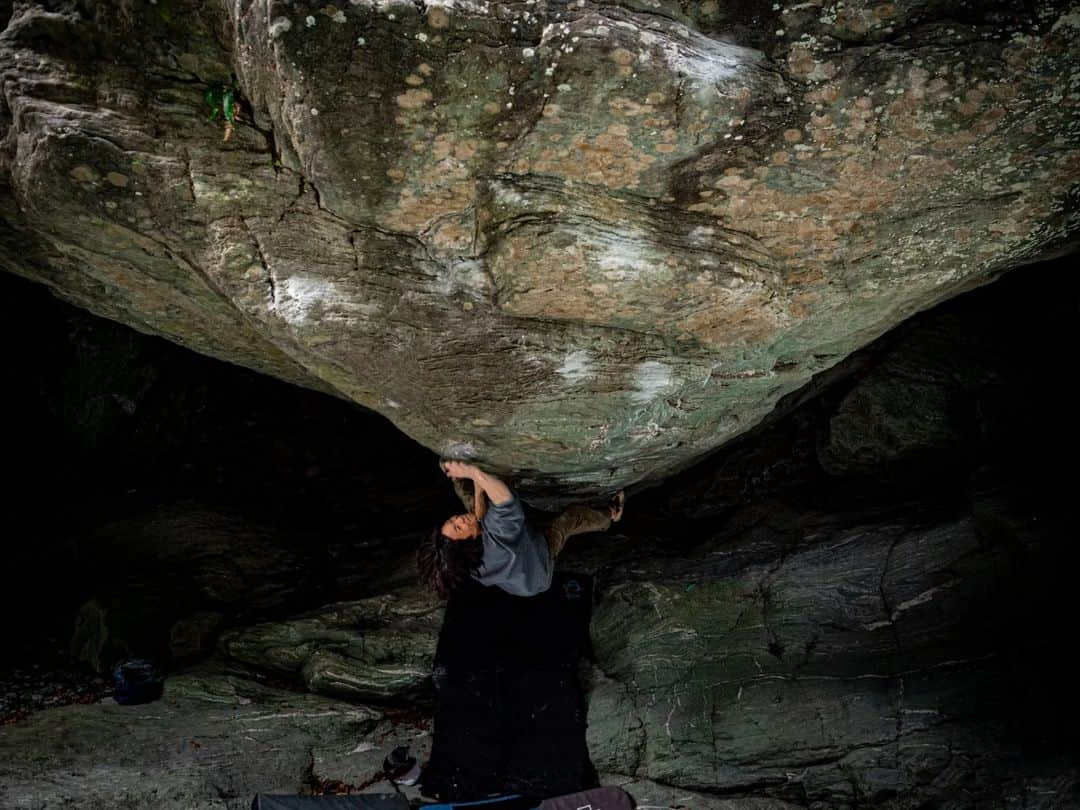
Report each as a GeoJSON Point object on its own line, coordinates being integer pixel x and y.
{"type": "Point", "coordinates": [212, 742]}
{"type": "Point", "coordinates": [161, 581]}
{"type": "Point", "coordinates": [372, 649]}
{"type": "Point", "coordinates": [584, 242]}
{"type": "Point", "coordinates": [844, 661]}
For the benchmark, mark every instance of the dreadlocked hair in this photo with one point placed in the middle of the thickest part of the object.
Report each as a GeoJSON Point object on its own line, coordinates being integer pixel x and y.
{"type": "Point", "coordinates": [445, 564]}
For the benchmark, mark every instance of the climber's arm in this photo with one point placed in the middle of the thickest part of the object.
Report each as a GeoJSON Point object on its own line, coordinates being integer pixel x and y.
{"type": "Point", "coordinates": [486, 484]}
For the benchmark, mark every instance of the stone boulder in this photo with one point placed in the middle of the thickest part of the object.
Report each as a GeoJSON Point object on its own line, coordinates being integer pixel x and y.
{"type": "Point", "coordinates": [164, 579]}
{"type": "Point", "coordinates": [585, 243]}
{"type": "Point", "coordinates": [211, 742]}
{"type": "Point", "coordinates": [379, 648]}
{"type": "Point", "coordinates": [968, 382]}
{"type": "Point", "coordinates": [840, 661]}
{"type": "Point", "coordinates": [211, 557]}
{"type": "Point", "coordinates": [192, 636]}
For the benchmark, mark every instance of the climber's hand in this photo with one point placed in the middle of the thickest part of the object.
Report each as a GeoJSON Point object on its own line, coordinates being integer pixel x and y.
{"type": "Point", "coordinates": [459, 469]}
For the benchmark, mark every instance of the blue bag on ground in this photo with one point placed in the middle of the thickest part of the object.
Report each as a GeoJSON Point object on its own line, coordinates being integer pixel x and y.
{"type": "Point", "coordinates": [361, 801]}
{"type": "Point", "coordinates": [136, 681]}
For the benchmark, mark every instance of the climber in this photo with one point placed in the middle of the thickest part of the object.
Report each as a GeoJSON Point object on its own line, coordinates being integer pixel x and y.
{"type": "Point", "coordinates": [493, 544]}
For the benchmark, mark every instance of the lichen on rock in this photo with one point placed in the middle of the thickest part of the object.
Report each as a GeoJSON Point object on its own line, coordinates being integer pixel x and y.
{"type": "Point", "coordinates": [434, 205]}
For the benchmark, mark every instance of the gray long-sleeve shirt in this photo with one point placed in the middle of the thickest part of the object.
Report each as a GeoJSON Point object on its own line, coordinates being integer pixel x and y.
{"type": "Point", "coordinates": [516, 557]}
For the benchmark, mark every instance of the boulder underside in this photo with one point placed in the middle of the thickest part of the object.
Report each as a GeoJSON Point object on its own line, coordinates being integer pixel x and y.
{"type": "Point", "coordinates": [585, 243]}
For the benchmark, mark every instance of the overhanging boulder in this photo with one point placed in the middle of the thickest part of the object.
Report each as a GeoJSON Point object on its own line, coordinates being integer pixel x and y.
{"type": "Point", "coordinates": [585, 243]}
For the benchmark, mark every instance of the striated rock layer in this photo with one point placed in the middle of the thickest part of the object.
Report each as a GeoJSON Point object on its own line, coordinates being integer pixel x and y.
{"type": "Point", "coordinates": [585, 242]}
{"type": "Point", "coordinates": [372, 649]}
{"type": "Point", "coordinates": [212, 742]}
{"type": "Point", "coordinates": [875, 659]}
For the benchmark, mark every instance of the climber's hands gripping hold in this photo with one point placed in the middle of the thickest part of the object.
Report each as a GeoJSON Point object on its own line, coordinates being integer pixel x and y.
{"type": "Point", "coordinates": [494, 489]}
{"type": "Point", "coordinates": [459, 469]}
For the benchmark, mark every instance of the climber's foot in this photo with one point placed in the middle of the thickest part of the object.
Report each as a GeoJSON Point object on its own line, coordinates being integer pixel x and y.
{"type": "Point", "coordinates": [618, 501]}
